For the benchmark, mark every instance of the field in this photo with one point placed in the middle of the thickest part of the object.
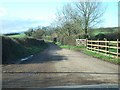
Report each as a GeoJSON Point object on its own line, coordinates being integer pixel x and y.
{"type": "Point", "coordinates": [18, 36]}
{"type": "Point", "coordinates": [103, 30]}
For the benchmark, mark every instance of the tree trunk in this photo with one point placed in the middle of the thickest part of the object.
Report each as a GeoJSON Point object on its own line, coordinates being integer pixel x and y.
{"type": "Point", "coordinates": [86, 36]}
{"type": "Point", "coordinates": [118, 49]}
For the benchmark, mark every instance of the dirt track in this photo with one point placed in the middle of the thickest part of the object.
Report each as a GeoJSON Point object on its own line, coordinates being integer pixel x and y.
{"type": "Point", "coordinates": [59, 67]}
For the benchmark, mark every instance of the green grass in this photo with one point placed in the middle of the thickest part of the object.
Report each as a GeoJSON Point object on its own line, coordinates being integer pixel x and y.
{"type": "Point", "coordinates": [90, 53]}
{"type": "Point", "coordinates": [78, 48]}
{"type": "Point", "coordinates": [36, 49]}
{"type": "Point", "coordinates": [103, 30]}
{"type": "Point", "coordinates": [102, 56]}
{"type": "Point", "coordinates": [18, 36]}
{"type": "Point", "coordinates": [112, 50]}
{"type": "Point", "coordinates": [48, 41]}
{"type": "Point", "coordinates": [98, 32]}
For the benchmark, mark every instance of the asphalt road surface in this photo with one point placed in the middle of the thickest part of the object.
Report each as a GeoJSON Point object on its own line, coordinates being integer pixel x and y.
{"type": "Point", "coordinates": [58, 67]}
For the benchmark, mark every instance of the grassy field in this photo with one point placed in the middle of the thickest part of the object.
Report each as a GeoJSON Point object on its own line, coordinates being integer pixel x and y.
{"type": "Point", "coordinates": [78, 48]}
{"type": "Point", "coordinates": [18, 36]}
{"type": "Point", "coordinates": [103, 30]}
{"type": "Point", "coordinates": [88, 52]}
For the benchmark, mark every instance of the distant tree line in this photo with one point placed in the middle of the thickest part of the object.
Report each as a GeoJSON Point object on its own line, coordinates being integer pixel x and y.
{"type": "Point", "coordinates": [8, 34]}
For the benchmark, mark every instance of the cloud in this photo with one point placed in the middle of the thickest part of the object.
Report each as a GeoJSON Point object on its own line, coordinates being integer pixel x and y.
{"type": "Point", "coordinates": [19, 25]}
{"type": "Point", "coordinates": [2, 12]}
{"type": "Point", "coordinates": [38, 1]}
{"type": "Point", "coordinates": [44, 17]}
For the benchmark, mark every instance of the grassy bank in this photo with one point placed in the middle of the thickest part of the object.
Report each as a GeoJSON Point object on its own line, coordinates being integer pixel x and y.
{"type": "Point", "coordinates": [90, 53]}
{"type": "Point", "coordinates": [102, 56]}
{"type": "Point", "coordinates": [18, 36]}
{"type": "Point", "coordinates": [18, 47]}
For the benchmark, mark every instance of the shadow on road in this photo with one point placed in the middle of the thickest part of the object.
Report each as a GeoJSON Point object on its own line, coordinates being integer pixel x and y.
{"type": "Point", "coordinates": [48, 55]}
{"type": "Point", "coordinates": [31, 73]}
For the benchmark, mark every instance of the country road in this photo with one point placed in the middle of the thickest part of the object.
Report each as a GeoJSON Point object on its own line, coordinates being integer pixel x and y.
{"type": "Point", "coordinates": [59, 67]}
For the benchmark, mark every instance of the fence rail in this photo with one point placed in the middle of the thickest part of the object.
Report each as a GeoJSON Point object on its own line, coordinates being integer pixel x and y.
{"type": "Point", "coordinates": [108, 47]}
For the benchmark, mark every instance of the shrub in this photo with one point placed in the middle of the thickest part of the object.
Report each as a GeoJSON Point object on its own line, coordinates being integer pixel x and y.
{"type": "Point", "coordinates": [100, 36]}
{"type": "Point", "coordinates": [38, 34]}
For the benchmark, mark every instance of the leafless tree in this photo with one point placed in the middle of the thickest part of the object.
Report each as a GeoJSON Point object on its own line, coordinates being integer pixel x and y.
{"type": "Point", "coordinates": [76, 18]}
{"type": "Point", "coordinates": [68, 20]}
{"type": "Point", "coordinates": [90, 12]}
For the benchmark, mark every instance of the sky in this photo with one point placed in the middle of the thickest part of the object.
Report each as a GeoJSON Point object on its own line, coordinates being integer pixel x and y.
{"type": "Point", "coordinates": [19, 15]}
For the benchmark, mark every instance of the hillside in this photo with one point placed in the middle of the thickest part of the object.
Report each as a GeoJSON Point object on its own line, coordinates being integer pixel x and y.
{"type": "Point", "coordinates": [111, 33]}
{"type": "Point", "coordinates": [96, 31]}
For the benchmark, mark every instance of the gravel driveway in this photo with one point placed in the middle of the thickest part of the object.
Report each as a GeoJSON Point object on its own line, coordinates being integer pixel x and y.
{"type": "Point", "coordinates": [59, 67]}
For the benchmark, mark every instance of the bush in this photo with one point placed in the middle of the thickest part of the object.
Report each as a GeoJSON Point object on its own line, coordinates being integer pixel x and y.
{"type": "Point", "coordinates": [108, 36]}
{"type": "Point", "coordinates": [113, 36]}
{"type": "Point", "coordinates": [100, 36]}
{"type": "Point", "coordinates": [38, 34]}
{"type": "Point", "coordinates": [67, 40]}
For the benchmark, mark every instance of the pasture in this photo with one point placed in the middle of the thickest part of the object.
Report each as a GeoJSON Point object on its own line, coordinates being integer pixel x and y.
{"type": "Point", "coordinates": [17, 36]}
{"type": "Point", "coordinates": [103, 30]}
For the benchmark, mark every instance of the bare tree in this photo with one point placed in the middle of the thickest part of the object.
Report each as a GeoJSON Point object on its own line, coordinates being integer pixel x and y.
{"type": "Point", "coordinates": [77, 18]}
{"type": "Point", "coordinates": [68, 20]}
{"type": "Point", "coordinates": [90, 12]}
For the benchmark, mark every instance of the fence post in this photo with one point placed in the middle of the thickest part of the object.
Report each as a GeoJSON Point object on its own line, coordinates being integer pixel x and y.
{"type": "Point", "coordinates": [109, 48]}
{"type": "Point", "coordinates": [98, 46]}
{"type": "Point", "coordinates": [106, 44]}
{"type": "Point", "coordinates": [118, 50]}
{"type": "Point", "coordinates": [91, 45]}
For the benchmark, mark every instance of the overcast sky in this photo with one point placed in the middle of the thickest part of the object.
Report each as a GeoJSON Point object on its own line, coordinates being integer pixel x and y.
{"type": "Point", "coordinates": [19, 15]}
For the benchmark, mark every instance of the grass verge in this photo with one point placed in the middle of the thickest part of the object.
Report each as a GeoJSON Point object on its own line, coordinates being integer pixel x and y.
{"type": "Point", "coordinates": [102, 56]}
{"type": "Point", "coordinates": [90, 53]}
{"type": "Point", "coordinates": [36, 49]}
